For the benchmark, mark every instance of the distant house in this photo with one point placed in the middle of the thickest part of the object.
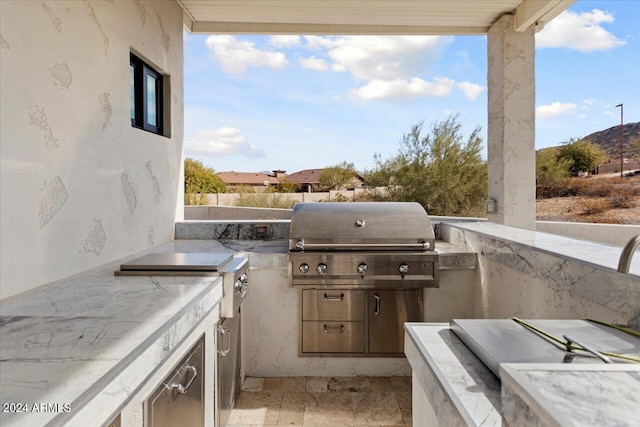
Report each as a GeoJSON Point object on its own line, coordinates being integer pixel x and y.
{"type": "Point", "coordinates": [257, 180]}
{"type": "Point", "coordinates": [308, 180]}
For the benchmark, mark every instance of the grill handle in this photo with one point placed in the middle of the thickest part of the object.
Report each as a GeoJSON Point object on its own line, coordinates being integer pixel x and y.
{"type": "Point", "coordinates": [301, 245]}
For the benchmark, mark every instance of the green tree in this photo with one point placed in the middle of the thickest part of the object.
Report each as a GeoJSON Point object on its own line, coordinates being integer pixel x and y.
{"type": "Point", "coordinates": [199, 180]}
{"type": "Point", "coordinates": [286, 186]}
{"type": "Point", "coordinates": [634, 146]}
{"type": "Point", "coordinates": [550, 169]}
{"type": "Point", "coordinates": [337, 177]}
{"type": "Point", "coordinates": [440, 170]}
{"type": "Point", "coordinates": [581, 155]}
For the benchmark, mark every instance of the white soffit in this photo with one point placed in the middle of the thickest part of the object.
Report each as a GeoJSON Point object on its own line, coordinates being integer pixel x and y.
{"type": "Point", "coordinates": [362, 16]}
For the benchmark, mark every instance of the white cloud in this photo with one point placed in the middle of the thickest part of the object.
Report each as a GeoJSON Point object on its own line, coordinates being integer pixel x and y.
{"type": "Point", "coordinates": [321, 42]}
{"type": "Point", "coordinates": [224, 141]}
{"type": "Point", "coordinates": [400, 90]}
{"type": "Point", "coordinates": [579, 31]}
{"type": "Point", "coordinates": [555, 109]}
{"type": "Point", "coordinates": [608, 113]}
{"type": "Point", "coordinates": [470, 90]}
{"type": "Point", "coordinates": [313, 63]}
{"type": "Point", "coordinates": [234, 56]}
{"type": "Point", "coordinates": [285, 41]}
{"type": "Point", "coordinates": [385, 57]}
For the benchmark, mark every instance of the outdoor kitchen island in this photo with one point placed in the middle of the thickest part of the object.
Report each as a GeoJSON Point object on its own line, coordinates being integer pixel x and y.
{"type": "Point", "coordinates": [452, 387]}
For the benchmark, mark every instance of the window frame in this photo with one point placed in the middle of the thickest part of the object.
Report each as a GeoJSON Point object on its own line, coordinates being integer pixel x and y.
{"type": "Point", "coordinates": [141, 108]}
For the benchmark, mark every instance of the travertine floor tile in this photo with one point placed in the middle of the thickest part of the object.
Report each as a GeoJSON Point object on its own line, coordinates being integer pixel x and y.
{"type": "Point", "coordinates": [359, 384]}
{"type": "Point", "coordinates": [293, 408]}
{"type": "Point", "coordinates": [253, 384]}
{"type": "Point", "coordinates": [376, 408]}
{"type": "Point", "coordinates": [317, 384]}
{"type": "Point", "coordinates": [285, 384]}
{"type": "Point", "coordinates": [324, 401]}
{"type": "Point", "coordinates": [401, 383]}
{"type": "Point", "coordinates": [261, 408]}
{"type": "Point", "coordinates": [318, 416]}
{"type": "Point", "coordinates": [407, 416]}
{"type": "Point", "coordinates": [404, 399]}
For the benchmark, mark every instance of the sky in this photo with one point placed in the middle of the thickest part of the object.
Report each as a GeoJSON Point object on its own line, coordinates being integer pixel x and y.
{"type": "Point", "coordinates": [260, 103]}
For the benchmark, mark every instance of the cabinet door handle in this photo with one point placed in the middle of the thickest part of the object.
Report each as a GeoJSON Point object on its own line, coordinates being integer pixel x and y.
{"type": "Point", "coordinates": [224, 331]}
{"type": "Point", "coordinates": [333, 330]}
{"type": "Point", "coordinates": [376, 309]}
{"type": "Point", "coordinates": [333, 298]}
{"type": "Point", "coordinates": [182, 389]}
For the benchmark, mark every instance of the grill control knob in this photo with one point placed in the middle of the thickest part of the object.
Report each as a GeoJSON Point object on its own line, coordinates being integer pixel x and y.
{"type": "Point", "coordinates": [304, 268]}
{"type": "Point", "coordinates": [403, 268]}
{"type": "Point", "coordinates": [321, 269]}
{"type": "Point", "coordinates": [362, 268]}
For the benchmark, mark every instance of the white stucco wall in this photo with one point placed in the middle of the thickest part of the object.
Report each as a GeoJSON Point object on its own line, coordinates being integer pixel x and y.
{"type": "Point", "coordinates": [80, 185]}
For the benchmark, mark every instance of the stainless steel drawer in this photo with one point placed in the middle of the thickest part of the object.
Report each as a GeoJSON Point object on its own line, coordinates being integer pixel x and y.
{"type": "Point", "coordinates": [333, 337]}
{"type": "Point", "coordinates": [330, 304]}
{"type": "Point", "coordinates": [179, 399]}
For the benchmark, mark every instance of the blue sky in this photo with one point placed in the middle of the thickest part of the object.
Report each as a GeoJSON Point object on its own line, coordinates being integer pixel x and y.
{"type": "Point", "coordinates": [257, 103]}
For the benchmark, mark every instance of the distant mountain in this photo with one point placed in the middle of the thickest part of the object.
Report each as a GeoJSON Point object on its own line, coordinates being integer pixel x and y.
{"type": "Point", "coordinates": [609, 139]}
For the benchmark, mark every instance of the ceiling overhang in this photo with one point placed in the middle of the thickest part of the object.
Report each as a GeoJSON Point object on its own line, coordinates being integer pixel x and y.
{"type": "Point", "coordinates": [366, 17]}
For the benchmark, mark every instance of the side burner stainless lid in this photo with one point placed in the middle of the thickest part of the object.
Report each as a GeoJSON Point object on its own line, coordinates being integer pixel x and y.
{"type": "Point", "coordinates": [497, 341]}
{"type": "Point", "coordinates": [195, 261]}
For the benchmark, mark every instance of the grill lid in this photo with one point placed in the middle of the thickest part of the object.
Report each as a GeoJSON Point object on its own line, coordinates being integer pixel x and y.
{"type": "Point", "coordinates": [360, 226]}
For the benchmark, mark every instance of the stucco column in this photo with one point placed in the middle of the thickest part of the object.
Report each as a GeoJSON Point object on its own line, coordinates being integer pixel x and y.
{"type": "Point", "coordinates": [511, 126]}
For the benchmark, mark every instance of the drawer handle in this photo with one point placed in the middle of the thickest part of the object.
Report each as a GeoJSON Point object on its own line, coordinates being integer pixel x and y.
{"type": "Point", "coordinates": [333, 330]}
{"type": "Point", "coordinates": [224, 331]}
{"type": "Point", "coordinates": [182, 389]}
{"type": "Point", "coordinates": [376, 309]}
{"type": "Point", "coordinates": [333, 298]}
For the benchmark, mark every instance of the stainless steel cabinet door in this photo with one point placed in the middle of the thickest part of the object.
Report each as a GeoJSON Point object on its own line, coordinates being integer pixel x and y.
{"type": "Point", "coordinates": [179, 400]}
{"type": "Point", "coordinates": [388, 311]}
{"type": "Point", "coordinates": [229, 360]}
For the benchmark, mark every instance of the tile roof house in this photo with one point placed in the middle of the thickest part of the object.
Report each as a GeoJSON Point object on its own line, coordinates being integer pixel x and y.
{"type": "Point", "coordinates": [251, 179]}
{"type": "Point", "coordinates": [308, 180]}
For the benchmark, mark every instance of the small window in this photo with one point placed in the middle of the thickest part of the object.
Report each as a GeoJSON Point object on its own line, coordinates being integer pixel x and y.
{"type": "Point", "coordinates": [146, 85]}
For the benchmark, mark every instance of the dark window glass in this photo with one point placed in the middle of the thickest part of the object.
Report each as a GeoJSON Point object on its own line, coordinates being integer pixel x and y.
{"type": "Point", "coordinates": [146, 96]}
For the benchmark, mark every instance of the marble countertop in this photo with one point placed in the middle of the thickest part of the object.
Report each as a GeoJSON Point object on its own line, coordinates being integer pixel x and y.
{"type": "Point", "coordinates": [598, 254]}
{"type": "Point", "coordinates": [274, 253]}
{"type": "Point", "coordinates": [87, 342]}
{"type": "Point", "coordinates": [463, 391]}
{"type": "Point", "coordinates": [561, 395]}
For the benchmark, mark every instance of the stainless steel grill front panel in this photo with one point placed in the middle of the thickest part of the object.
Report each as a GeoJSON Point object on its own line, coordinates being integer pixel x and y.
{"type": "Point", "coordinates": [383, 269]}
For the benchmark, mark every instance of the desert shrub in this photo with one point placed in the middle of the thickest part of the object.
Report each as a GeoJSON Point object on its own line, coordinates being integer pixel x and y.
{"type": "Point", "coordinates": [337, 177]}
{"type": "Point", "coordinates": [340, 198]}
{"type": "Point", "coordinates": [551, 171]}
{"type": "Point", "coordinates": [196, 199]}
{"type": "Point", "coordinates": [440, 170]}
{"type": "Point", "coordinates": [263, 200]}
{"type": "Point", "coordinates": [622, 198]}
{"type": "Point", "coordinates": [594, 206]}
{"type": "Point", "coordinates": [581, 154]}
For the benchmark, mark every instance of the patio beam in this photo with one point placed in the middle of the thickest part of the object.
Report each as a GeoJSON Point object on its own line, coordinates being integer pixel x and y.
{"type": "Point", "coordinates": [275, 28]}
{"type": "Point", "coordinates": [538, 12]}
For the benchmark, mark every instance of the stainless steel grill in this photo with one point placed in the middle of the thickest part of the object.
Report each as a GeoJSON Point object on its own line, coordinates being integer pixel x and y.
{"type": "Point", "coordinates": [361, 268]}
{"type": "Point", "coordinates": [362, 245]}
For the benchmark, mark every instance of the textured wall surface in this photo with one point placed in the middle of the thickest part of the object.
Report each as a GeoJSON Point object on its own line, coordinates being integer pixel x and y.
{"type": "Point", "coordinates": [511, 123]}
{"type": "Point", "coordinates": [80, 185]}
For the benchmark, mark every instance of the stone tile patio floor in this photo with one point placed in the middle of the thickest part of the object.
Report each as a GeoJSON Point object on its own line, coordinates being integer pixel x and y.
{"type": "Point", "coordinates": [323, 401]}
